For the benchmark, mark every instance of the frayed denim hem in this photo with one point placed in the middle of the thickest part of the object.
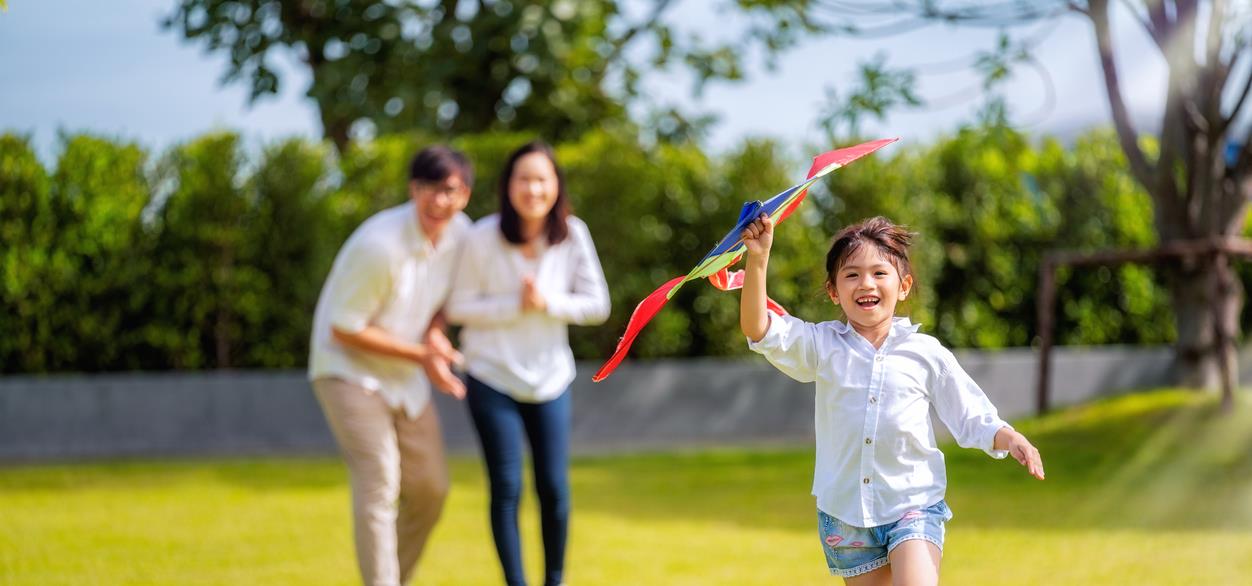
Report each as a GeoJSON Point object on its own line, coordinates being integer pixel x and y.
{"type": "Point", "coordinates": [921, 536]}
{"type": "Point", "coordinates": [861, 569]}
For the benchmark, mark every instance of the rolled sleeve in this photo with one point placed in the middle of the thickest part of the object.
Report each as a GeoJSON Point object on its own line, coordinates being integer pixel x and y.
{"type": "Point", "coordinates": [790, 345]}
{"type": "Point", "coordinates": [358, 288]}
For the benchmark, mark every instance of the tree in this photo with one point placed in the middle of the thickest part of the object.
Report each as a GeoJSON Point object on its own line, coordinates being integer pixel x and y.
{"type": "Point", "coordinates": [1199, 174]}
{"type": "Point", "coordinates": [200, 280]}
{"type": "Point", "coordinates": [27, 257]}
{"type": "Point", "coordinates": [99, 191]}
{"type": "Point", "coordinates": [454, 66]}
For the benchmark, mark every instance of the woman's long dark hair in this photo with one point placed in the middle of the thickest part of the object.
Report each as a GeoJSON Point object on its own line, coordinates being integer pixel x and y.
{"type": "Point", "coordinates": [510, 223]}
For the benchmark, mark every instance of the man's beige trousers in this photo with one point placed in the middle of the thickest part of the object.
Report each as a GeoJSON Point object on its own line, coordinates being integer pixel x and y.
{"type": "Point", "coordinates": [398, 473]}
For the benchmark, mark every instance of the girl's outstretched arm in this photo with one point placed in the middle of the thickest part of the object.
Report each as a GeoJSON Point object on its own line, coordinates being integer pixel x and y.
{"type": "Point", "coordinates": [753, 319]}
{"type": "Point", "coordinates": [1020, 448]}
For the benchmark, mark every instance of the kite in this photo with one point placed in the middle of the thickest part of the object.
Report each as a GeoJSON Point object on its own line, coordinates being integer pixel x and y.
{"type": "Point", "coordinates": [714, 265]}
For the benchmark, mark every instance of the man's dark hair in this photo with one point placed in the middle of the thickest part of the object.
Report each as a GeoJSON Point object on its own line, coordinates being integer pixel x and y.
{"type": "Point", "coordinates": [435, 164]}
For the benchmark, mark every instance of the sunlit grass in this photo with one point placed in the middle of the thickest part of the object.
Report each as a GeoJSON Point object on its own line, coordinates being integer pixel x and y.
{"type": "Point", "coordinates": [1146, 489]}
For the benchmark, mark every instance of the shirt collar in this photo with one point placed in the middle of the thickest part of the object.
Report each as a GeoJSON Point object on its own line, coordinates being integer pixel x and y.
{"type": "Point", "coordinates": [900, 326]}
{"type": "Point", "coordinates": [417, 240]}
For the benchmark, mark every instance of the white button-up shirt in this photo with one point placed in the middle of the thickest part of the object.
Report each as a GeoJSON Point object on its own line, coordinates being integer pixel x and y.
{"type": "Point", "coordinates": [525, 355]}
{"type": "Point", "coordinates": [388, 274]}
{"type": "Point", "coordinates": [877, 458]}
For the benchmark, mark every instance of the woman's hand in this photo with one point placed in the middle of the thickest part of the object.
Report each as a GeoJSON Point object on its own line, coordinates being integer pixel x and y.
{"type": "Point", "coordinates": [532, 300]}
{"type": "Point", "coordinates": [759, 236]}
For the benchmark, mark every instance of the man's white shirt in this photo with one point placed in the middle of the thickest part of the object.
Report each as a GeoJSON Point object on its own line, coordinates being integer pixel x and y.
{"type": "Point", "coordinates": [388, 274]}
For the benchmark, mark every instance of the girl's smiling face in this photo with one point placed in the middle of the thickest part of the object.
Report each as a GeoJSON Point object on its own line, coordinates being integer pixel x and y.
{"type": "Point", "coordinates": [868, 286]}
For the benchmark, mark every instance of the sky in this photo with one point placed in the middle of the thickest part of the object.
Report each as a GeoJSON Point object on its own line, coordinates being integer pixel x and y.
{"type": "Point", "coordinates": [108, 68]}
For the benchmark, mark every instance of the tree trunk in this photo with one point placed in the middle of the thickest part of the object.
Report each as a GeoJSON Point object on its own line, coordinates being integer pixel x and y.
{"type": "Point", "coordinates": [337, 131]}
{"type": "Point", "coordinates": [1200, 306]}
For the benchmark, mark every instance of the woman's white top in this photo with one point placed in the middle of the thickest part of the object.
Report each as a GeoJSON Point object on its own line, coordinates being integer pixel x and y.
{"type": "Point", "coordinates": [525, 354]}
{"type": "Point", "coordinates": [877, 458]}
{"type": "Point", "coordinates": [388, 274]}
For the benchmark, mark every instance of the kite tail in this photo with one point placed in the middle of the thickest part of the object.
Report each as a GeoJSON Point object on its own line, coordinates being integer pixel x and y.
{"type": "Point", "coordinates": [643, 312]}
{"type": "Point", "coordinates": [729, 281]}
{"type": "Point", "coordinates": [723, 279]}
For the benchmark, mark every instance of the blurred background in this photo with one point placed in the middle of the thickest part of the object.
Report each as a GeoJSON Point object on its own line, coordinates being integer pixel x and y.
{"type": "Point", "coordinates": [176, 177]}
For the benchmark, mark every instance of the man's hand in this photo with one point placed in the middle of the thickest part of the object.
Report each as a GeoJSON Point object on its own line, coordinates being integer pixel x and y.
{"type": "Point", "coordinates": [440, 373]}
{"type": "Point", "coordinates": [438, 343]}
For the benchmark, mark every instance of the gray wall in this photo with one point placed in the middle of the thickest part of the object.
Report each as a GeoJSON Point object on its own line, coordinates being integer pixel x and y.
{"type": "Point", "coordinates": [643, 405]}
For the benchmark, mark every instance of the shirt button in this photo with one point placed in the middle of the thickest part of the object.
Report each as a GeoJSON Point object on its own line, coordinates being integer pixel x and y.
{"type": "Point", "coordinates": [873, 399]}
{"type": "Point", "coordinates": [866, 481]}
{"type": "Point", "coordinates": [878, 358]}
{"type": "Point", "coordinates": [868, 441]}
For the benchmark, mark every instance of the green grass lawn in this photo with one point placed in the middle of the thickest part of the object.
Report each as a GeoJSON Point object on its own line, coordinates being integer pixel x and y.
{"type": "Point", "coordinates": [1146, 489]}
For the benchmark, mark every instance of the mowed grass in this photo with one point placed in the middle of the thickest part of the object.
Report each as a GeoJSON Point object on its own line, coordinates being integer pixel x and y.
{"type": "Point", "coordinates": [1150, 488]}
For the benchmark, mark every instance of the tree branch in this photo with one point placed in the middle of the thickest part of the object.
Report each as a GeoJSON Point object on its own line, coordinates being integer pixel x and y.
{"type": "Point", "coordinates": [1234, 112]}
{"type": "Point", "coordinates": [1142, 20]}
{"type": "Point", "coordinates": [620, 44]}
{"type": "Point", "coordinates": [1139, 166]}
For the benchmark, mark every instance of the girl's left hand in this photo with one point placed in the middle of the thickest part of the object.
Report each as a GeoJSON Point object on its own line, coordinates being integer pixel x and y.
{"type": "Point", "coordinates": [532, 299]}
{"type": "Point", "coordinates": [1026, 455]}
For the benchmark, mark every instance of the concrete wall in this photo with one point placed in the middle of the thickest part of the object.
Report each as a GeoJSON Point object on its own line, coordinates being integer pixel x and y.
{"type": "Point", "coordinates": [643, 405]}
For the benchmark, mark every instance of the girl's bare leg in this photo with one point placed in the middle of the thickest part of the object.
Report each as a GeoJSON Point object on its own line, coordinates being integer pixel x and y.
{"type": "Point", "coordinates": [878, 577]}
{"type": "Point", "coordinates": [914, 563]}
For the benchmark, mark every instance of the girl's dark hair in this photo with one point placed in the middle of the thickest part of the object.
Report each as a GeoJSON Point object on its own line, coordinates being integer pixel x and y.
{"type": "Point", "coordinates": [510, 223]}
{"type": "Point", "coordinates": [892, 241]}
{"type": "Point", "coordinates": [434, 164]}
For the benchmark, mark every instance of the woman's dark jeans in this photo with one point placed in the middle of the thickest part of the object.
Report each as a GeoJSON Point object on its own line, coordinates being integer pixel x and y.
{"type": "Point", "coordinates": [501, 422]}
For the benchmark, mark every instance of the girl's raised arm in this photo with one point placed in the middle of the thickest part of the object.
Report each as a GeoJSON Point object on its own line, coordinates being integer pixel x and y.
{"type": "Point", "coordinates": [753, 319]}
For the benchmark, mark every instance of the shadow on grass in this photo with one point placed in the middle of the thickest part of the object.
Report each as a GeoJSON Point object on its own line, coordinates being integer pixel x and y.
{"type": "Point", "coordinates": [1167, 460]}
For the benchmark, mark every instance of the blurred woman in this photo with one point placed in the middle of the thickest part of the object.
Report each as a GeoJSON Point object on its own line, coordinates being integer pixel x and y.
{"type": "Point", "coordinates": [526, 274]}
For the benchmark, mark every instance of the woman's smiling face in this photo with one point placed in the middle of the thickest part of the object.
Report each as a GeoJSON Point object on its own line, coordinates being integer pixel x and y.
{"type": "Point", "coordinates": [533, 187]}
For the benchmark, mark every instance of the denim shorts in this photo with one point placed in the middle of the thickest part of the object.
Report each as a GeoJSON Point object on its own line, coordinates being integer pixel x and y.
{"type": "Point", "coordinates": [852, 551]}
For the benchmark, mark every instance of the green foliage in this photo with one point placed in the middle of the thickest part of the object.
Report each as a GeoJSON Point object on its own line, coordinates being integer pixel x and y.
{"type": "Point", "coordinates": [449, 68]}
{"type": "Point", "coordinates": [289, 247]}
{"type": "Point", "coordinates": [213, 257]}
{"type": "Point", "coordinates": [988, 205]}
{"type": "Point", "coordinates": [99, 193]}
{"type": "Point", "coordinates": [201, 282]}
{"type": "Point", "coordinates": [27, 226]}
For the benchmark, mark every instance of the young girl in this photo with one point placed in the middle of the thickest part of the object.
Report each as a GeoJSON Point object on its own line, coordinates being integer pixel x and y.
{"type": "Point", "coordinates": [880, 478]}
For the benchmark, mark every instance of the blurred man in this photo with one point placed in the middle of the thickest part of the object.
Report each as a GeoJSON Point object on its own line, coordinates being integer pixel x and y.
{"type": "Point", "coordinates": [377, 348]}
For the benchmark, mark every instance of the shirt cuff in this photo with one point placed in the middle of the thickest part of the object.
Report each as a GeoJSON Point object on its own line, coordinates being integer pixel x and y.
{"type": "Point", "coordinates": [991, 442]}
{"type": "Point", "coordinates": [350, 322]}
